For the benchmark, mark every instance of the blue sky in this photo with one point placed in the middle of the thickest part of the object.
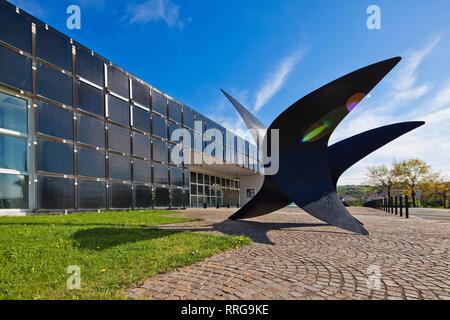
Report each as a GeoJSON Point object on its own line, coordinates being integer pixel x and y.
{"type": "Point", "coordinates": [271, 53]}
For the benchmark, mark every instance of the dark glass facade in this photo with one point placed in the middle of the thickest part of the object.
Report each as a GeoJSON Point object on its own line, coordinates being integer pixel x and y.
{"type": "Point", "coordinates": [79, 133]}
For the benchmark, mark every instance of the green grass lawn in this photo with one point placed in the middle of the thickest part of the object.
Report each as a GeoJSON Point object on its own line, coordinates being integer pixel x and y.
{"type": "Point", "coordinates": [113, 250]}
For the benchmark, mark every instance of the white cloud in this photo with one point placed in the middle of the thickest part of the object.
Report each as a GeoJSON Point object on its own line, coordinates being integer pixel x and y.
{"type": "Point", "coordinates": [404, 84]}
{"type": "Point", "coordinates": [275, 81]}
{"type": "Point", "coordinates": [155, 10]}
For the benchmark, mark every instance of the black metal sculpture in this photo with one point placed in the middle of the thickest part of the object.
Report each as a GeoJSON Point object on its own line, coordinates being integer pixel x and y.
{"type": "Point", "coordinates": [308, 168]}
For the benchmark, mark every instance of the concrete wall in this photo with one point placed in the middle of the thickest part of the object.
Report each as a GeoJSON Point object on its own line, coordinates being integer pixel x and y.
{"type": "Point", "coordinates": [250, 182]}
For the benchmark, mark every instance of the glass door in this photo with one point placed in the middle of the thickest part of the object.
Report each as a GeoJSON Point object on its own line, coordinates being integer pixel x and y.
{"type": "Point", "coordinates": [14, 154]}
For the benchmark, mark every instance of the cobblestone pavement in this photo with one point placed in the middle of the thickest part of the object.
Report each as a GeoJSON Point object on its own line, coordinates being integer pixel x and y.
{"type": "Point", "coordinates": [294, 256]}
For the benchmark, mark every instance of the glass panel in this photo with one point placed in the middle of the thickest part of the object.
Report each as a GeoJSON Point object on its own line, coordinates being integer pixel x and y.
{"type": "Point", "coordinates": [141, 93]}
{"type": "Point", "coordinates": [13, 153]}
{"type": "Point", "coordinates": [15, 29]}
{"type": "Point", "coordinates": [118, 110]}
{"type": "Point", "coordinates": [175, 111]}
{"type": "Point", "coordinates": [54, 121]}
{"type": "Point", "coordinates": [119, 167]}
{"type": "Point", "coordinates": [159, 126]}
{"type": "Point", "coordinates": [118, 82]}
{"type": "Point", "coordinates": [177, 198]}
{"type": "Point", "coordinates": [54, 157]}
{"type": "Point", "coordinates": [160, 152]}
{"type": "Point", "coordinates": [55, 193]}
{"type": "Point", "coordinates": [160, 174]}
{"type": "Point", "coordinates": [91, 131]}
{"type": "Point", "coordinates": [141, 145]}
{"type": "Point", "coordinates": [186, 198]}
{"type": "Point", "coordinates": [176, 177]}
{"type": "Point", "coordinates": [13, 113]}
{"type": "Point", "coordinates": [193, 177]}
{"type": "Point", "coordinates": [13, 191]}
{"type": "Point", "coordinates": [54, 48]}
{"type": "Point", "coordinates": [162, 197]}
{"type": "Point", "coordinates": [90, 99]}
{"type": "Point", "coordinates": [54, 84]}
{"type": "Point", "coordinates": [159, 103]}
{"type": "Point", "coordinates": [91, 194]}
{"type": "Point", "coordinates": [172, 127]}
{"type": "Point", "coordinates": [15, 70]}
{"type": "Point", "coordinates": [188, 118]}
{"type": "Point", "coordinates": [200, 177]}
{"type": "Point", "coordinates": [91, 163]}
{"type": "Point", "coordinates": [193, 189]}
{"type": "Point", "coordinates": [89, 67]}
{"type": "Point", "coordinates": [121, 195]}
{"type": "Point", "coordinates": [141, 119]}
{"type": "Point", "coordinates": [143, 197]}
{"type": "Point", "coordinates": [142, 171]}
{"type": "Point", "coordinates": [194, 202]}
{"type": "Point", "coordinates": [186, 179]}
{"type": "Point", "coordinates": [119, 139]}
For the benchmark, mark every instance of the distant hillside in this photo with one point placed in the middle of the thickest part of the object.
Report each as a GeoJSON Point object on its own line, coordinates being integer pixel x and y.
{"type": "Point", "coordinates": [357, 195]}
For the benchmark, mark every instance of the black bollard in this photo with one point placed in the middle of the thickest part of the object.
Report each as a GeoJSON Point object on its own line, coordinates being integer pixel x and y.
{"type": "Point", "coordinates": [204, 205]}
{"type": "Point", "coordinates": [406, 208]}
{"type": "Point", "coordinates": [401, 206]}
{"type": "Point", "coordinates": [396, 206]}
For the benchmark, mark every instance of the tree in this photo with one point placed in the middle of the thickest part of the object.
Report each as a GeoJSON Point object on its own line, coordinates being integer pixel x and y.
{"type": "Point", "coordinates": [443, 190]}
{"type": "Point", "coordinates": [382, 177]}
{"type": "Point", "coordinates": [411, 173]}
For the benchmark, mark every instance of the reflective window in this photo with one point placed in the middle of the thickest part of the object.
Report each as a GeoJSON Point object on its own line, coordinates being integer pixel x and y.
{"type": "Point", "coordinates": [13, 153]}
{"type": "Point", "coordinates": [175, 111]}
{"type": "Point", "coordinates": [176, 177]}
{"type": "Point", "coordinates": [91, 194]}
{"type": "Point", "coordinates": [177, 198]}
{"type": "Point", "coordinates": [90, 99]}
{"type": "Point", "coordinates": [172, 127]}
{"type": "Point", "coordinates": [118, 82]}
{"type": "Point", "coordinates": [121, 195]}
{"type": "Point", "coordinates": [54, 121]}
{"type": "Point", "coordinates": [142, 171]}
{"type": "Point", "coordinates": [160, 152]}
{"type": "Point", "coordinates": [162, 197]}
{"type": "Point", "coordinates": [15, 69]}
{"type": "Point", "coordinates": [54, 157]}
{"type": "Point", "coordinates": [54, 84]}
{"type": "Point", "coordinates": [193, 177]}
{"type": "Point", "coordinates": [55, 193]}
{"type": "Point", "coordinates": [91, 163]}
{"type": "Point", "coordinates": [53, 47]}
{"type": "Point", "coordinates": [13, 191]}
{"type": "Point", "coordinates": [89, 67]}
{"type": "Point", "coordinates": [13, 113]}
{"type": "Point", "coordinates": [159, 103]}
{"type": "Point", "coordinates": [188, 118]}
{"type": "Point", "coordinates": [143, 197]}
{"type": "Point", "coordinates": [91, 131]}
{"type": "Point", "coordinates": [141, 119]}
{"type": "Point", "coordinates": [119, 167]}
{"type": "Point", "coordinates": [141, 145]}
{"type": "Point", "coordinates": [141, 93]}
{"type": "Point", "coordinates": [159, 126]}
{"type": "Point", "coordinates": [15, 29]}
{"type": "Point", "coordinates": [160, 174]}
{"type": "Point", "coordinates": [118, 110]}
{"type": "Point", "coordinates": [119, 139]}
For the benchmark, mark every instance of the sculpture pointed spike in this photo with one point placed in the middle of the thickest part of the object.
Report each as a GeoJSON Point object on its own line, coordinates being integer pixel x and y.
{"type": "Point", "coordinates": [330, 209]}
{"type": "Point", "coordinates": [344, 154]}
{"type": "Point", "coordinates": [252, 123]}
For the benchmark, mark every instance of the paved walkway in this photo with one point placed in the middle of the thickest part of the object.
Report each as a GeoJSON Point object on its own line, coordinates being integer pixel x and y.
{"type": "Point", "coordinates": [294, 256]}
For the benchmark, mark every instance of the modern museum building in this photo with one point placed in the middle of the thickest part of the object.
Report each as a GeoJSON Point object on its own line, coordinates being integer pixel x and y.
{"type": "Point", "coordinates": [79, 133]}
